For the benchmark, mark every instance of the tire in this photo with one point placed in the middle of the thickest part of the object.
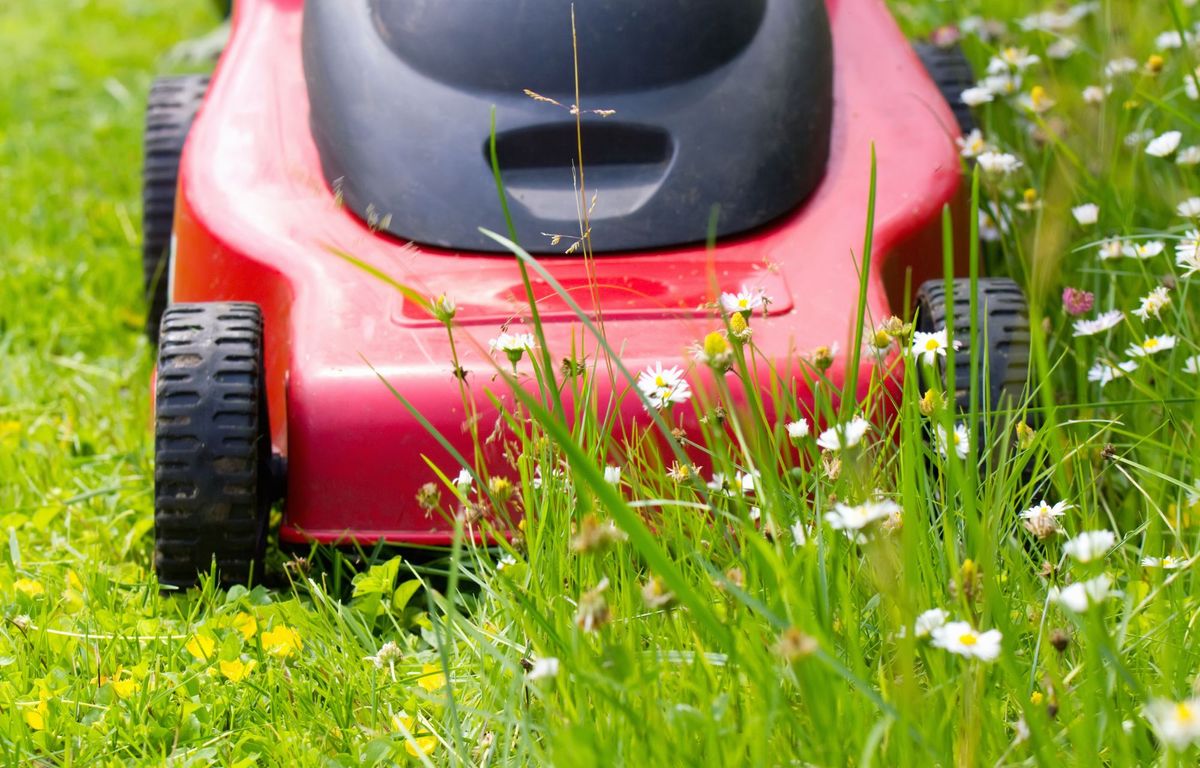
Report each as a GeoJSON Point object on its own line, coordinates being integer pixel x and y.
{"type": "Point", "coordinates": [170, 110]}
{"type": "Point", "coordinates": [1003, 324]}
{"type": "Point", "coordinates": [951, 72]}
{"type": "Point", "coordinates": [212, 446]}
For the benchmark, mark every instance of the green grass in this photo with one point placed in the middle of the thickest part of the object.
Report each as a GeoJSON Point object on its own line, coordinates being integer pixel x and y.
{"type": "Point", "coordinates": [716, 638]}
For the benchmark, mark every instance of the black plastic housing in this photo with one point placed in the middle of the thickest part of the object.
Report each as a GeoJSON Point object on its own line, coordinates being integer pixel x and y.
{"type": "Point", "coordinates": [715, 103]}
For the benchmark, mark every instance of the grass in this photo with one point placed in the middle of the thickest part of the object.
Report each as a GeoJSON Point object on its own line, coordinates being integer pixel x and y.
{"type": "Point", "coordinates": [691, 624]}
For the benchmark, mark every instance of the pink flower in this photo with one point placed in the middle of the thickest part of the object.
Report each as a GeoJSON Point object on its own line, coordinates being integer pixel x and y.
{"type": "Point", "coordinates": [1077, 302]}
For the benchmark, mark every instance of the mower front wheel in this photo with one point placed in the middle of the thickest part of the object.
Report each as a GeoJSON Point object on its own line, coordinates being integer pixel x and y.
{"type": "Point", "coordinates": [212, 445]}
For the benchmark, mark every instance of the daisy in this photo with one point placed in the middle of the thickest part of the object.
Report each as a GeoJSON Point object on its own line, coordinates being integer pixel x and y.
{"type": "Point", "coordinates": [843, 436]}
{"type": "Point", "coordinates": [998, 163]}
{"type": "Point", "coordinates": [1189, 209]}
{"type": "Point", "coordinates": [1012, 58]}
{"type": "Point", "coordinates": [463, 482]}
{"type": "Point", "coordinates": [1146, 250]}
{"type": "Point", "coordinates": [1036, 101]}
{"type": "Point", "coordinates": [1086, 214]}
{"type": "Point", "coordinates": [1153, 303]}
{"type": "Point", "coordinates": [930, 346]}
{"type": "Point", "coordinates": [1170, 562]}
{"type": "Point", "coordinates": [1176, 722]}
{"type": "Point", "coordinates": [799, 533]}
{"type": "Point", "coordinates": [750, 482]}
{"type": "Point", "coordinates": [972, 144]}
{"type": "Point", "coordinates": [743, 302]}
{"type": "Point", "coordinates": [1093, 94]}
{"type": "Point", "coordinates": [930, 620]}
{"type": "Point", "coordinates": [1121, 66]}
{"type": "Point", "coordinates": [1192, 364]}
{"type": "Point", "coordinates": [1187, 253]}
{"type": "Point", "coordinates": [1081, 595]}
{"type": "Point", "coordinates": [1104, 371]}
{"type": "Point", "coordinates": [1151, 346]}
{"type": "Point", "coordinates": [1090, 545]}
{"type": "Point", "coordinates": [960, 439]}
{"type": "Point", "coordinates": [612, 475]}
{"type": "Point", "coordinates": [961, 638]}
{"type": "Point", "coordinates": [513, 345]}
{"type": "Point", "coordinates": [1164, 145]}
{"type": "Point", "coordinates": [1043, 509]}
{"type": "Point", "coordinates": [1004, 83]}
{"type": "Point", "coordinates": [797, 429]}
{"type": "Point", "coordinates": [1110, 249]}
{"type": "Point", "coordinates": [976, 95]}
{"type": "Point", "coordinates": [543, 668]}
{"type": "Point", "coordinates": [1188, 156]}
{"type": "Point", "coordinates": [1169, 40]}
{"type": "Point", "coordinates": [1063, 48]}
{"type": "Point", "coordinates": [845, 517]}
{"type": "Point", "coordinates": [1099, 324]}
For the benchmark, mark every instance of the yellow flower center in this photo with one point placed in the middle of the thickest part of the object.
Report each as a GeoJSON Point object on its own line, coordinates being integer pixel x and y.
{"type": "Point", "coordinates": [968, 639]}
{"type": "Point", "coordinates": [743, 303]}
{"type": "Point", "coordinates": [932, 345]}
{"type": "Point", "coordinates": [1150, 343]}
{"type": "Point", "coordinates": [1184, 713]}
{"type": "Point", "coordinates": [659, 381]}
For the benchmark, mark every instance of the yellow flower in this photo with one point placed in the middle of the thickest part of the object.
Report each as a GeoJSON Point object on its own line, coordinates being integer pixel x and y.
{"type": "Point", "coordinates": [73, 581]}
{"type": "Point", "coordinates": [125, 688]}
{"type": "Point", "coordinates": [1036, 698]}
{"type": "Point", "coordinates": [282, 641]}
{"type": "Point", "coordinates": [201, 646]}
{"type": "Point", "coordinates": [432, 680]}
{"type": "Point", "coordinates": [416, 745]}
{"type": "Point", "coordinates": [245, 624]}
{"type": "Point", "coordinates": [237, 670]}
{"type": "Point", "coordinates": [29, 587]}
{"type": "Point", "coordinates": [36, 717]}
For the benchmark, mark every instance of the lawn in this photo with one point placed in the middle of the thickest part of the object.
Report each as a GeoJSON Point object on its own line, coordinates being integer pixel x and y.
{"type": "Point", "coordinates": [1028, 600]}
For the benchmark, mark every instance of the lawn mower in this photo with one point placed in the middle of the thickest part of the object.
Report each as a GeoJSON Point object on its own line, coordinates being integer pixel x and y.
{"type": "Point", "coordinates": [365, 129]}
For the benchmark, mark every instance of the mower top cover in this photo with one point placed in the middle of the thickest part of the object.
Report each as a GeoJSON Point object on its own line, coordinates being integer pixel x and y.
{"type": "Point", "coordinates": [713, 103]}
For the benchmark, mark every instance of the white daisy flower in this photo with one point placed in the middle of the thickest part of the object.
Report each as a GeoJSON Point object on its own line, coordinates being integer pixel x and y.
{"type": "Point", "coordinates": [543, 668]}
{"type": "Point", "coordinates": [1104, 371]}
{"type": "Point", "coordinates": [513, 345]}
{"type": "Point", "coordinates": [1111, 249]}
{"type": "Point", "coordinates": [799, 533]}
{"type": "Point", "coordinates": [1188, 156]}
{"type": "Point", "coordinates": [797, 429]}
{"type": "Point", "coordinates": [853, 518]}
{"type": "Point", "coordinates": [998, 163]}
{"type": "Point", "coordinates": [1176, 722]}
{"type": "Point", "coordinates": [930, 620]}
{"type": "Point", "coordinates": [1044, 509]}
{"type": "Point", "coordinates": [1012, 58]}
{"type": "Point", "coordinates": [743, 301]}
{"type": "Point", "coordinates": [463, 482]}
{"type": "Point", "coordinates": [1189, 209]}
{"type": "Point", "coordinates": [612, 475]}
{"type": "Point", "coordinates": [1099, 324]}
{"type": "Point", "coordinates": [1086, 214]}
{"type": "Point", "coordinates": [930, 346]}
{"type": "Point", "coordinates": [1169, 40]}
{"type": "Point", "coordinates": [1121, 66]}
{"type": "Point", "coordinates": [1153, 303]}
{"type": "Point", "coordinates": [1146, 250]}
{"type": "Point", "coordinates": [1005, 84]}
{"type": "Point", "coordinates": [1090, 545]}
{"type": "Point", "coordinates": [976, 95]}
{"type": "Point", "coordinates": [961, 638]}
{"type": "Point", "coordinates": [1094, 94]}
{"type": "Point", "coordinates": [1151, 346]}
{"type": "Point", "coordinates": [1081, 595]}
{"type": "Point", "coordinates": [960, 439]}
{"type": "Point", "coordinates": [663, 386]}
{"type": "Point", "coordinates": [1192, 364]}
{"type": "Point", "coordinates": [1164, 145]}
{"type": "Point", "coordinates": [719, 483]}
{"type": "Point", "coordinates": [972, 144]}
{"type": "Point", "coordinates": [1062, 48]}
{"type": "Point", "coordinates": [750, 482]}
{"type": "Point", "coordinates": [1169, 563]}
{"type": "Point", "coordinates": [843, 436]}
{"type": "Point", "coordinates": [1187, 253]}
{"type": "Point", "coordinates": [1138, 138]}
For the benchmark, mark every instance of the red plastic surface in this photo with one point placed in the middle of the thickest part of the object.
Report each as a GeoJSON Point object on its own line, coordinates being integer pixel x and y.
{"type": "Point", "coordinates": [256, 221]}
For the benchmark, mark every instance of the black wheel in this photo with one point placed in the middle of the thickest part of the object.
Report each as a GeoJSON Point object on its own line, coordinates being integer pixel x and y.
{"type": "Point", "coordinates": [1003, 325]}
{"type": "Point", "coordinates": [170, 109]}
{"type": "Point", "coordinates": [952, 73]}
{"type": "Point", "coordinates": [212, 447]}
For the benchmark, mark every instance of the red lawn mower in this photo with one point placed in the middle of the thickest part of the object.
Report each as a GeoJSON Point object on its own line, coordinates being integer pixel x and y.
{"type": "Point", "coordinates": [364, 128]}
